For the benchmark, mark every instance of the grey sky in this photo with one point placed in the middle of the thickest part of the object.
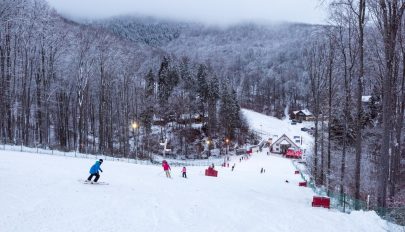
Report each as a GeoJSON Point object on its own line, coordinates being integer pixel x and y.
{"type": "Point", "coordinates": [207, 11]}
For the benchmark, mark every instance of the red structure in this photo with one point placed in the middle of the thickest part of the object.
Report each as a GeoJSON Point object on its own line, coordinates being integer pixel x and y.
{"type": "Point", "coordinates": [318, 201]}
{"type": "Point", "coordinates": [211, 172]}
{"type": "Point", "coordinates": [302, 184]}
{"type": "Point", "coordinates": [295, 154]}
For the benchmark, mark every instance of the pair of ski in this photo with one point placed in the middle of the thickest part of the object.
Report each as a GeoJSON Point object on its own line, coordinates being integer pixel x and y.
{"type": "Point", "coordinates": [94, 183]}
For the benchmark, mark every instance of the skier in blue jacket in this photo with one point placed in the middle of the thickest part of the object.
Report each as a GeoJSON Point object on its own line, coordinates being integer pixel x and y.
{"type": "Point", "coordinates": [94, 170]}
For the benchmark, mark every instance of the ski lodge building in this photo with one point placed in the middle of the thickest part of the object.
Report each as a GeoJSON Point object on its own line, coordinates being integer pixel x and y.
{"type": "Point", "coordinates": [282, 144]}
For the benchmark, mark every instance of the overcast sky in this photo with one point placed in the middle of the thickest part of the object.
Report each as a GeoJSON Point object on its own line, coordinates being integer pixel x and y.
{"type": "Point", "coordinates": [207, 11]}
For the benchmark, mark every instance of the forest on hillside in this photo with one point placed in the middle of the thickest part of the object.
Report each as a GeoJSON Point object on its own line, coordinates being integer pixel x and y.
{"type": "Point", "coordinates": [76, 87]}
{"type": "Point", "coordinates": [82, 86]}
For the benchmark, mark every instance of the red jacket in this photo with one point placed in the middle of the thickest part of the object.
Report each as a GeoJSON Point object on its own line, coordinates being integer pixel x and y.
{"type": "Point", "coordinates": [166, 166]}
{"type": "Point", "coordinates": [184, 169]}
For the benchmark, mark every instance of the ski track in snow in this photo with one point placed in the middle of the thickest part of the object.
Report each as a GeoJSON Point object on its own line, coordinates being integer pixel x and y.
{"type": "Point", "coordinates": [41, 193]}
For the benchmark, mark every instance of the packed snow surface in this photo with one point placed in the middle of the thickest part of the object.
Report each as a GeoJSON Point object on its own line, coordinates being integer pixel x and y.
{"type": "Point", "coordinates": [43, 193]}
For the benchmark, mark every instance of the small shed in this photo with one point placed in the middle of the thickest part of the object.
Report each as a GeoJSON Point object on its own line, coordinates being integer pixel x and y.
{"type": "Point", "coordinates": [283, 144]}
{"type": "Point", "coordinates": [302, 115]}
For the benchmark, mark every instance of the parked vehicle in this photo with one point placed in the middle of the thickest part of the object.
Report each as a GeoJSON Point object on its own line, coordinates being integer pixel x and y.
{"type": "Point", "coordinates": [304, 129]}
{"type": "Point", "coordinates": [293, 123]}
{"type": "Point", "coordinates": [241, 151]}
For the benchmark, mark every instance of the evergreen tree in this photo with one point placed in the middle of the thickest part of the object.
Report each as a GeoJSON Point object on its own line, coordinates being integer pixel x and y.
{"type": "Point", "coordinates": [213, 96]}
{"type": "Point", "coordinates": [163, 82]}
{"type": "Point", "coordinates": [229, 112]}
{"type": "Point", "coordinates": [166, 81]}
{"type": "Point", "coordinates": [235, 110]}
{"type": "Point", "coordinates": [185, 74]}
{"type": "Point", "coordinates": [150, 84]}
{"type": "Point", "coordinates": [172, 80]}
{"type": "Point", "coordinates": [202, 87]}
{"type": "Point", "coordinates": [148, 110]}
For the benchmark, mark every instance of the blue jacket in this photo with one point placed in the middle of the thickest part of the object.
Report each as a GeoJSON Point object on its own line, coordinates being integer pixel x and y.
{"type": "Point", "coordinates": [95, 168]}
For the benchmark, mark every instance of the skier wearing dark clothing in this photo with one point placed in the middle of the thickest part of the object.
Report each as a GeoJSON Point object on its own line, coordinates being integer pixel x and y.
{"type": "Point", "coordinates": [94, 170]}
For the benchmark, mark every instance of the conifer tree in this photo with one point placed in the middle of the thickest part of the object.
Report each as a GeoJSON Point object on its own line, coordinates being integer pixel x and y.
{"type": "Point", "coordinates": [147, 113]}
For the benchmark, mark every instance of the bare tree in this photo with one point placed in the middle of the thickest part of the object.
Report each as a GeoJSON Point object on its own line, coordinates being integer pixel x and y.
{"type": "Point", "coordinates": [388, 15]}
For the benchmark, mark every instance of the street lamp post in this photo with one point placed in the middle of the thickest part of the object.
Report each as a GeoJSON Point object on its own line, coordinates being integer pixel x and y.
{"type": "Point", "coordinates": [135, 126]}
{"type": "Point", "coordinates": [226, 151]}
{"type": "Point", "coordinates": [227, 145]}
{"type": "Point", "coordinates": [209, 152]}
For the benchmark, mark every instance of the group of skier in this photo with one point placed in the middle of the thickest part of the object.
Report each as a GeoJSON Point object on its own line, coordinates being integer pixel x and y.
{"type": "Point", "coordinates": [95, 169]}
{"type": "Point", "coordinates": [167, 169]}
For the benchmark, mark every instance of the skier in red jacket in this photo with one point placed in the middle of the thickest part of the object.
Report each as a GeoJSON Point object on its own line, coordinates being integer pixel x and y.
{"type": "Point", "coordinates": [184, 172]}
{"type": "Point", "coordinates": [166, 168]}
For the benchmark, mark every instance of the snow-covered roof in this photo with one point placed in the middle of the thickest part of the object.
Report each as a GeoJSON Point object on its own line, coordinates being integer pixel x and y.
{"type": "Point", "coordinates": [284, 139]}
{"type": "Point", "coordinates": [365, 98]}
{"type": "Point", "coordinates": [306, 112]}
{"type": "Point", "coordinates": [187, 116]}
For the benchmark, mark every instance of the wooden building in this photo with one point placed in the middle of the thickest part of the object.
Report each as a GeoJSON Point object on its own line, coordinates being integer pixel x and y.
{"type": "Point", "coordinates": [302, 115]}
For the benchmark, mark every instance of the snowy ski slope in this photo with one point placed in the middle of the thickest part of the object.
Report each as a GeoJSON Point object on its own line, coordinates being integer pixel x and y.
{"type": "Point", "coordinates": [42, 193]}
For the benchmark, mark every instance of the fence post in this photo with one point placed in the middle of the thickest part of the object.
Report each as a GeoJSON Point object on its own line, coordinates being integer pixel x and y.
{"type": "Point", "coordinates": [344, 203]}
{"type": "Point", "coordinates": [368, 202]}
